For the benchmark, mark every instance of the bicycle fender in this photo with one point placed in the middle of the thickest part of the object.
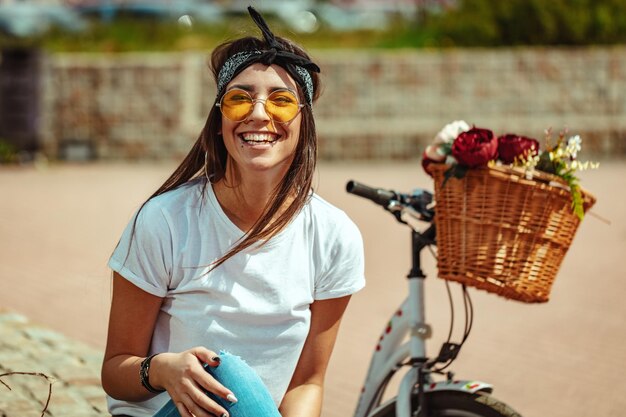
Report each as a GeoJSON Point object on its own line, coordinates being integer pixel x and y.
{"type": "Point", "coordinates": [471, 387]}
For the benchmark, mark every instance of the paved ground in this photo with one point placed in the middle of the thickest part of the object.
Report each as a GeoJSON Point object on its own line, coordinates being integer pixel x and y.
{"type": "Point", "coordinates": [71, 367]}
{"type": "Point", "coordinates": [59, 224]}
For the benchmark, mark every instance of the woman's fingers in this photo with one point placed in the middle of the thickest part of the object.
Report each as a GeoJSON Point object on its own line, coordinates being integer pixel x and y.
{"type": "Point", "coordinates": [206, 356]}
{"type": "Point", "coordinates": [186, 380]}
{"type": "Point", "coordinates": [196, 409]}
{"type": "Point", "coordinates": [182, 410]}
{"type": "Point", "coordinates": [206, 380]}
{"type": "Point", "coordinates": [204, 403]}
{"type": "Point", "coordinates": [209, 383]}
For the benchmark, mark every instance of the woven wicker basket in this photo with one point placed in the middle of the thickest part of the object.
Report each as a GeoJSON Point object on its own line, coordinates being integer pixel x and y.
{"type": "Point", "coordinates": [503, 233]}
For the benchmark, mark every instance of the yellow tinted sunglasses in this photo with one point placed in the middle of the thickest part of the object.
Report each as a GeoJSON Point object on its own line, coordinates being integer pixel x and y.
{"type": "Point", "coordinates": [281, 106]}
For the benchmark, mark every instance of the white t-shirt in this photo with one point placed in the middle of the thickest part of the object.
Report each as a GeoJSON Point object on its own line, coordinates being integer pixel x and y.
{"type": "Point", "coordinates": [256, 304]}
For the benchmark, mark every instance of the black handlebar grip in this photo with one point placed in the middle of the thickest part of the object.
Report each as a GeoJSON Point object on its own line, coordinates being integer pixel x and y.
{"type": "Point", "coordinates": [377, 195]}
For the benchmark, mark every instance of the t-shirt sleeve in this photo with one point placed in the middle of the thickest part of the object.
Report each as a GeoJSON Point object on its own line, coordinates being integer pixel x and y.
{"type": "Point", "coordinates": [144, 253]}
{"type": "Point", "coordinates": [344, 272]}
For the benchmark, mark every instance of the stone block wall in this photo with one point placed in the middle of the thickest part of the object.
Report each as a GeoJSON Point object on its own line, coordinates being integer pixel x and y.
{"type": "Point", "coordinates": [375, 104]}
{"type": "Point", "coordinates": [123, 106]}
{"type": "Point", "coordinates": [392, 103]}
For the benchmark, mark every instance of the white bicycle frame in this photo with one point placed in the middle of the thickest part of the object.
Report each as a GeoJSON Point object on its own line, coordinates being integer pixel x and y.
{"type": "Point", "coordinates": [392, 351]}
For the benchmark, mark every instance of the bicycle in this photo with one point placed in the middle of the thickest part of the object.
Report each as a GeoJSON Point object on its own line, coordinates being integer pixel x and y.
{"type": "Point", "coordinates": [419, 394]}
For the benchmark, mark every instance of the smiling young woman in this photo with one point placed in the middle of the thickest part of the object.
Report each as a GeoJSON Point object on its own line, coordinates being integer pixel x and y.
{"type": "Point", "coordinates": [260, 148]}
{"type": "Point", "coordinates": [235, 254]}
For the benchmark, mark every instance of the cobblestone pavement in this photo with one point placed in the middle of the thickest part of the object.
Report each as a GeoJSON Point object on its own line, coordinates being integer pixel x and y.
{"type": "Point", "coordinates": [58, 224]}
{"type": "Point", "coordinates": [72, 369]}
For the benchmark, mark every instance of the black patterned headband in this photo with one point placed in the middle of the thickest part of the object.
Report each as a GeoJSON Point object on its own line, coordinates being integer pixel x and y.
{"type": "Point", "coordinates": [297, 66]}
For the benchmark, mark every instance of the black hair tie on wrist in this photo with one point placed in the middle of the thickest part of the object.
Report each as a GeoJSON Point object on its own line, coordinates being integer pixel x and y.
{"type": "Point", "coordinates": [144, 375]}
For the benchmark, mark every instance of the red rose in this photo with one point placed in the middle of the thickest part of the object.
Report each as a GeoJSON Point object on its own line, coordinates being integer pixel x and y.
{"type": "Point", "coordinates": [513, 146]}
{"type": "Point", "coordinates": [475, 147]}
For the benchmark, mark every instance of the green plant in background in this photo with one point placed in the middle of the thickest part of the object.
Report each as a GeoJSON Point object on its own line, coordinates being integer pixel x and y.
{"type": "Point", "coordinates": [476, 23]}
{"type": "Point", "coordinates": [8, 152]}
{"type": "Point", "coordinates": [533, 22]}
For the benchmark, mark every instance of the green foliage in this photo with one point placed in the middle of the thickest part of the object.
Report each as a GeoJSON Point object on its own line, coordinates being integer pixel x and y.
{"type": "Point", "coordinates": [455, 171]}
{"type": "Point", "coordinates": [568, 175]}
{"type": "Point", "coordinates": [577, 197]}
{"type": "Point", "coordinates": [126, 35]}
{"type": "Point", "coordinates": [546, 164]}
{"type": "Point", "coordinates": [8, 153]}
{"type": "Point", "coordinates": [488, 23]}
{"type": "Point", "coordinates": [533, 22]}
{"type": "Point", "coordinates": [560, 167]}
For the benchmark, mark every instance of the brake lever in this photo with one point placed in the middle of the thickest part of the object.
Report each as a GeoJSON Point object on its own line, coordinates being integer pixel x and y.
{"type": "Point", "coordinates": [412, 217]}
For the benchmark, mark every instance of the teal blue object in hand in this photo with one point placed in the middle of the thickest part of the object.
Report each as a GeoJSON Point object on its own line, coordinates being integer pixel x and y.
{"type": "Point", "coordinates": [253, 397]}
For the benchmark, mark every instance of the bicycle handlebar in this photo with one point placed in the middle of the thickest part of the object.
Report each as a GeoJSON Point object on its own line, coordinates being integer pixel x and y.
{"type": "Point", "coordinates": [420, 201]}
{"type": "Point", "coordinates": [377, 195]}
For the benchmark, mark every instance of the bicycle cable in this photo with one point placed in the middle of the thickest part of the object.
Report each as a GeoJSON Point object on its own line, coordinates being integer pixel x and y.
{"type": "Point", "coordinates": [452, 311]}
{"type": "Point", "coordinates": [469, 313]}
{"type": "Point", "coordinates": [450, 300]}
{"type": "Point", "coordinates": [449, 350]}
{"type": "Point", "coordinates": [454, 348]}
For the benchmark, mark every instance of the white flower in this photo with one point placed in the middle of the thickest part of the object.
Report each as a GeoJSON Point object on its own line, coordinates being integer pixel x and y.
{"type": "Point", "coordinates": [433, 153]}
{"type": "Point", "coordinates": [440, 147]}
{"type": "Point", "coordinates": [450, 132]}
{"type": "Point", "coordinates": [574, 145]}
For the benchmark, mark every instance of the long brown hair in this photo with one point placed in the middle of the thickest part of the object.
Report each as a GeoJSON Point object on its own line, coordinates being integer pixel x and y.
{"type": "Point", "coordinates": [294, 189]}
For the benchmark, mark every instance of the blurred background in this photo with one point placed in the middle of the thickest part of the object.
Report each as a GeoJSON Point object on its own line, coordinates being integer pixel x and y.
{"type": "Point", "coordinates": [111, 79]}
{"type": "Point", "coordinates": [99, 100]}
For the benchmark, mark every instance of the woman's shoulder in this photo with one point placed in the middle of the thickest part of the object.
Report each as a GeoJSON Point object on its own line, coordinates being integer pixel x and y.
{"type": "Point", "coordinates": [329, 216]}
{"type": "Point", "coordinates": [319, 207]}
{"type": "Point", "coordinates": [188, 194]}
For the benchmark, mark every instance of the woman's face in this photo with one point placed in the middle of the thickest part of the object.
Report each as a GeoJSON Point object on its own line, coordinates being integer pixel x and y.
{"type": "Point", "coordinates": [257, 145]}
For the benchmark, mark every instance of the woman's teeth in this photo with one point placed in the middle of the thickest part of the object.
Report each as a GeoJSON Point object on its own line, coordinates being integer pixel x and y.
{"type": "Point", "coordinates": [258, 137]}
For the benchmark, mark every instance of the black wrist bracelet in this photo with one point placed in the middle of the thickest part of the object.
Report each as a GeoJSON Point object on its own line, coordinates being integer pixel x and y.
{"type": "Point", "coordinates": [144, 375]}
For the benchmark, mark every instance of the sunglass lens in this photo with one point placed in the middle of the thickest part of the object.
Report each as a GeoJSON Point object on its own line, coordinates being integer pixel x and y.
{"type": "Point", "coordinates": [282, 106]}
{"type": "Point", "coordinates": [236, 105]}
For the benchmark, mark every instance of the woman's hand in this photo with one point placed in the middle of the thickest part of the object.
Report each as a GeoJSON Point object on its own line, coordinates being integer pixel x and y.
{"type": "Point", "coordinates": [186, 381]}
{"type": "Point", "coordinates": [131, 325]}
